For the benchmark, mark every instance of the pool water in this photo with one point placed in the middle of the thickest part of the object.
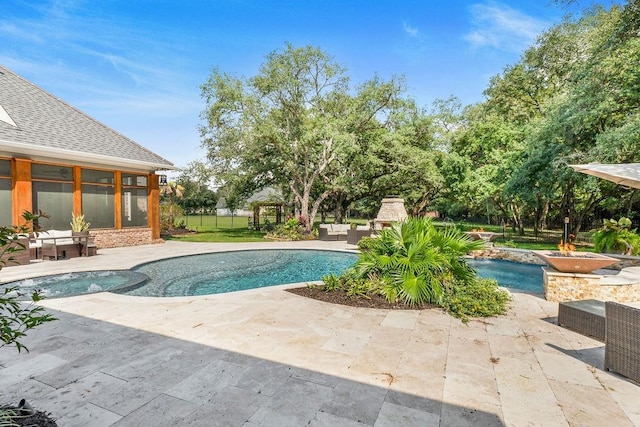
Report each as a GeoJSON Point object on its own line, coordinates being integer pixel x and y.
{"type": "Point", "coordinates": [514, 275]}
{"type": "Point", "coordinates": [86, 282]}
{"type": "Point", "coordinates": [234, 271]}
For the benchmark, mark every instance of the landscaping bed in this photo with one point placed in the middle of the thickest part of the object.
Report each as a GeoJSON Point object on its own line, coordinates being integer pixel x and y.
{"type": "Point", "coordinates": [341, 297]}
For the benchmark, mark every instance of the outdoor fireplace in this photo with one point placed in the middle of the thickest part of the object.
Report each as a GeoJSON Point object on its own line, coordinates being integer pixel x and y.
{"type": "Point", "coordinates": [392, 210]}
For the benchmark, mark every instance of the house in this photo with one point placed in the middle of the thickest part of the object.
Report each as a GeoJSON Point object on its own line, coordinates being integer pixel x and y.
{"type": "Point", "coordinates": [58, 160]}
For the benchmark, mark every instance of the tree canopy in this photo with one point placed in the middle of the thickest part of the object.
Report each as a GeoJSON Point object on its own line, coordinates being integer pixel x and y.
{"type": "Point", "coordinates": [573, 97]}
{"type": "Point", "coordinates": [297, 124]}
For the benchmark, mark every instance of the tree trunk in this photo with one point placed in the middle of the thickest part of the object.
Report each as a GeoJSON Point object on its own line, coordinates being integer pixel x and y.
{"type": "Point", "coordinates": [517, 220]}
{"type": "Point", "coordinates": [171, 220]}
{"type": "Point", "coordinates": [543, 212]}
{"type": "Point", "coordinates": [314, 210]}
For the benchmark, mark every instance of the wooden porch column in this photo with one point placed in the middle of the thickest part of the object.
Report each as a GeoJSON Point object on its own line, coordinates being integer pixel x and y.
{"type": "Point", "coordinates": [21, 192]}
{"type": "Point", "coordinates": [118, 199]}
{"type": "Point", "coordinates": [77, 190]}
{"type": "Point", "coordinates": [153, 217]}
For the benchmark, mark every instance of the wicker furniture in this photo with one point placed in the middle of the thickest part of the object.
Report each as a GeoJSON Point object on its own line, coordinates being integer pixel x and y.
{"type": "Point", "coordinates": [62, 244]}
{"type": "Point", "coordinates": [586, 317]}
{"type": "Point", "coordinates": [622, 344]}
{"type": "Point", "coordinates": [355, 234]}
{"type": "Point", "coordinates": [333, 231]}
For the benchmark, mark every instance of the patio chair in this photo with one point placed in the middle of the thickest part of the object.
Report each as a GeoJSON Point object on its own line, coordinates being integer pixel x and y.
{"type": "Point", "coordinates": [622, 340]}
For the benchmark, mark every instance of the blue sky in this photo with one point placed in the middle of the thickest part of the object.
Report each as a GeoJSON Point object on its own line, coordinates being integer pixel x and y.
{"type": "Point", "coordinates": [137, 65]}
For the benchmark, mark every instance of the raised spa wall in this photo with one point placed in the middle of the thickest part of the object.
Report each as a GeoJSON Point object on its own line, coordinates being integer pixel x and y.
{"type": "Point", "coordinates": [620, 285]}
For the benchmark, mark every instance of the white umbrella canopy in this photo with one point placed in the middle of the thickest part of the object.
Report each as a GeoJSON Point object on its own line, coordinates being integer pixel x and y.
{"type": "Point", "coordinates": [626, 174]}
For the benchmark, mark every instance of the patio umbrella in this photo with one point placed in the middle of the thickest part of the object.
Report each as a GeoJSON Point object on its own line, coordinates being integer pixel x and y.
{"type": "Point", "coordinates": [626, 174]}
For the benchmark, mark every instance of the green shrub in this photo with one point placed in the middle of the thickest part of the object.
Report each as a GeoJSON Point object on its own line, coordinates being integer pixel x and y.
{"type": "Point", "coordinates": [367, 243]}
{"type": "Point", "coordinates": [477, 298]}
{"type": "Point", "coordinates": [16, 318]}
{"type": "Point", "coordinates": [508, 244]}
{"type": "Point", "coordinates": [166, 218]}
{"type": "Point", "coordinates": [292, 229]}
{"type": "Point", "coordinates": [416, 260]}
{"type": "Point", "coordinates": [354, 286]}
{"type": "Point", "coordinates": [415, 263]}
{"type": "Point", "coordinates": [617, 237]}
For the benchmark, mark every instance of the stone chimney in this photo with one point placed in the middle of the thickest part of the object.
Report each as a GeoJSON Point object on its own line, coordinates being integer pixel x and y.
{"type": "Point", "coordinates": [392, 210]}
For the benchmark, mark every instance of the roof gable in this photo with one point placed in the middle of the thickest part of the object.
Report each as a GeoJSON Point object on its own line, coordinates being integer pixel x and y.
{"type": "Point", "coordinates": [5, 117]}
{"type": "Point", "coordinates": [35, 120]}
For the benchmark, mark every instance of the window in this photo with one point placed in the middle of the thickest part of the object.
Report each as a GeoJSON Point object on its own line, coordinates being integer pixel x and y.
{"type": "Point", "coordinates": [52, 194]}
{"type": "Point", "coordinates": [98, 198]}
{"type": "Point", "coordinates": [98, 177]}
{"type": "Point", "coordinates": [51, 172]}
{"type": "Point", "coordinates": [134, 200]}
{"type": "Point", "coordinates": [56, 200]}
{"type": "Point", "coordinates": [5, 194]}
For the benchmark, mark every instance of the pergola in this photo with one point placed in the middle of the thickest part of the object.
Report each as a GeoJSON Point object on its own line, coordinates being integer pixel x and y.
{"type": "Point", "coordinates": [257, 206]}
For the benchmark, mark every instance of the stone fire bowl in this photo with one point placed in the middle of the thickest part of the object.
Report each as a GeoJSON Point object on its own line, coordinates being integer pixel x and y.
{"type": "Point", "coordinates": [575, 262]}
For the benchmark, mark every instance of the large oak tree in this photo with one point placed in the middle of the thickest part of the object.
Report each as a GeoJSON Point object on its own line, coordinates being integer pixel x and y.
{"type": "Point", "coordinates": [293, 125]}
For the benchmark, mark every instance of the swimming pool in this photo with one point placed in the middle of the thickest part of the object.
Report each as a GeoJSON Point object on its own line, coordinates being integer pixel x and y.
{"type": "Point", "coordinates": [513, 275]}
{"type": "Point", "coordinates": [235, 271]}
{"type": "Point", "coordinates": [86, 282]}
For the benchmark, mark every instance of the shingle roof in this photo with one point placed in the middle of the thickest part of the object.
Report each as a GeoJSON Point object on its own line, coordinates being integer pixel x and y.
{"type": "Point", "coordinates": [44, 122]}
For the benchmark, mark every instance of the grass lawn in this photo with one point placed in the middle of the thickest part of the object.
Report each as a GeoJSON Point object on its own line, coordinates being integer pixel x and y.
{"type": "Point", "coordinates": [235, 235]}
{"type": "Point", "coordinates": [227, 229]}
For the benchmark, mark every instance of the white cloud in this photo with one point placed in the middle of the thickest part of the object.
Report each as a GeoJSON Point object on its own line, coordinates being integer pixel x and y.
{"type": "Point", "coordinates": [502, 27]}
{"type": "Point", "coordinates": [410, 30]}
{"type": "Point", "coordinates": [108, 63]}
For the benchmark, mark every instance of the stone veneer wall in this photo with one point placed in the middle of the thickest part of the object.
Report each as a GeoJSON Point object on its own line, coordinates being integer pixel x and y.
{"type": "Point", "coordinates": [559, 287]}
{"type": "Point", "coordinates": [509, 254]}
{"type": "Point", "coordinates": [109, 238]}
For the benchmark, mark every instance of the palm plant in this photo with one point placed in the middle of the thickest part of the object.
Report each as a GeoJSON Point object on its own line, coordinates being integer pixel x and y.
{"type": "Point", "coordinates": [617, 237]}
{"type": "Point", "coordinates": [417, 261]}
{"type": "Point", "coordinates": [173, 191]}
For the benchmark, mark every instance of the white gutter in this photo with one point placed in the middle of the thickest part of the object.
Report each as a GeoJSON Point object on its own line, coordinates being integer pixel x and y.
{"type": "Point", "coordinates": [38, 152]}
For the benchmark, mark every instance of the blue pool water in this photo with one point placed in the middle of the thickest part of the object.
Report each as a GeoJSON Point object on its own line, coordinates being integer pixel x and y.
{"type": "Point", "coordinates": [514, 275]}
{"type": "Point", "coordinates": [86, 282]}
{"type": "Point", "coordinates": [235, 271]}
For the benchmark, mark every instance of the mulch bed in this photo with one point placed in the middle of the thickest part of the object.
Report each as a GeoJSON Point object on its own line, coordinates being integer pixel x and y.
{"type": "Point", "coordinates": [341, 297]}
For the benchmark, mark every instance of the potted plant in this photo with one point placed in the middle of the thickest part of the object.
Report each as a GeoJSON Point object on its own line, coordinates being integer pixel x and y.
{"type": "Point", "coordinates": [617, 237]}
{"type": "Point", "coordinates": [79, 226]}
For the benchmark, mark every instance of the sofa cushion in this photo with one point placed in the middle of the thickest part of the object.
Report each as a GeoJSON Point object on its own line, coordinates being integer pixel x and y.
{"type": "Point", "coordinates": [63, 237]}
{"type": "Point", "coordinates": [340, 228]}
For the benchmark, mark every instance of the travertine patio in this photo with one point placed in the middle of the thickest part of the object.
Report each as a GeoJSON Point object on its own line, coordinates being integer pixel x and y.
{"type": "Point", "coordinates": [267, 357]}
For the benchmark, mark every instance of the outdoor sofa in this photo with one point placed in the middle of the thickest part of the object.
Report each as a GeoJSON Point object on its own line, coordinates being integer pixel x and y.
{"type": "Point", "coordinates": [62, 244]}
{"type": "Point", "coordinates": [333, 231]}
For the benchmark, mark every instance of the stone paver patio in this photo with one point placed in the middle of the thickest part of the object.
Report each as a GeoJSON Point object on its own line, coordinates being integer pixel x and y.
{"type": "Point", "coordinates": [266, 357]}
